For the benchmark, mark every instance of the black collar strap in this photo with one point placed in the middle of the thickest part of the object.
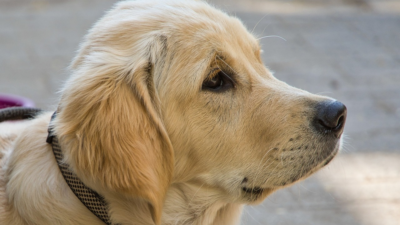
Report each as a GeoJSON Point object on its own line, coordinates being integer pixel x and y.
{"type": "Point", "coordinates": [93, 201]}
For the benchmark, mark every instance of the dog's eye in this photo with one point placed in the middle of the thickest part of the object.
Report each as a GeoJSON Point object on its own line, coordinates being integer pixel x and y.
{"type": "Point", "coordinates": [218, 81]}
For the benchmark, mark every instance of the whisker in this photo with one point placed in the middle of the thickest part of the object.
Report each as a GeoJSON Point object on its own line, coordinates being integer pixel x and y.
{"type": "Point", "coordinates": [265, 28]}
{"type": "Point", "coordinates": [191, 199]}
{"type": "Point", "coordinates": [272, 172]}
{"type": "Point", "coordinates": [258, 170]}
{"type": "Point", "coordinates": [226, 64]}
{"type": "Point", "coordinates": [324, 93]}
{"type": "Point", "coordinates": [258, 23]}
{"type": "Point", "coordinates": [269, 36]}
{"type": "Point", "coordinates": [261, 161]}
{"type": "Point", "coordinates": [220, 67]}
{"type": "Point", "coordinates": [252, 217]}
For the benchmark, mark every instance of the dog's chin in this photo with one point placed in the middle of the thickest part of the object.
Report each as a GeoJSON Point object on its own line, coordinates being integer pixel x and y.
{"type": "Point", "coordinates": [307, 173]}
{"type": "Point", "coordinates": [331, 157]}
{"type": "Point", "coordinates": [256, 194]}
{"type": "Point", "coordinates": [327, 159]}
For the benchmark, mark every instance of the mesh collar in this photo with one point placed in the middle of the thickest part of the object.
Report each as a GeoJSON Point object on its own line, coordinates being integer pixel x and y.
{"type": "Point", "coordinates": [92, 200]}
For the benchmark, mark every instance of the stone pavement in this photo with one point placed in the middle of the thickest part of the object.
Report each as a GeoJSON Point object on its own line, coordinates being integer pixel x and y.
{"type": "Point", "coordinates": [347, 49]}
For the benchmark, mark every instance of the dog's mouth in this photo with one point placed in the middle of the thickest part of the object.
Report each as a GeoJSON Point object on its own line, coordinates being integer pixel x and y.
{"type": "Point", "coordinates": [253, 191]}
{"type": "Point", "coordinates": [255, 195]}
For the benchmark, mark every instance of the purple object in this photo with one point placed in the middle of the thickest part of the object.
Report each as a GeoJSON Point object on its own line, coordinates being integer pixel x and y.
{"type": "Point", "coordinates": [7, 100]}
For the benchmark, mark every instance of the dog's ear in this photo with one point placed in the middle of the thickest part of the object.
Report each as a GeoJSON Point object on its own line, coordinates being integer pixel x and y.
{"type": "Point", "coordinates": [110, 127]}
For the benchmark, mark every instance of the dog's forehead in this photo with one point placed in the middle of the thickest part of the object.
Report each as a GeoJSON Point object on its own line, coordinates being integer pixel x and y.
{"type": "Point", "coordinates": [190, 21]}
{"type": "Point", "coordinates": [220, 30]}
{"type": "Point", "coordinates": [207, 30]}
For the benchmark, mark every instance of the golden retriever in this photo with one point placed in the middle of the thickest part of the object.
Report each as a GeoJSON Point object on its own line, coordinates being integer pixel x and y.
{"type": "Point", "coordinates": [171, 116]}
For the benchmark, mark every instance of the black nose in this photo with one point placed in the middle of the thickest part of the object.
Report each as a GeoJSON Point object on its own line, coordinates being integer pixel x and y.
{"type": "Point", "coordinates": [330, 117]}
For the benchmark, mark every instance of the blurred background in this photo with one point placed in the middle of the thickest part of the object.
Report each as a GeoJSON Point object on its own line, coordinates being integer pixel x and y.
{"type": "Point", "coordinates": [346, 49]}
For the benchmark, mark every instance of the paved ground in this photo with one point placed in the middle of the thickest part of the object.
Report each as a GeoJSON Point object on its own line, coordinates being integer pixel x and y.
{"type": "Point", "coordinates": [347, 49]}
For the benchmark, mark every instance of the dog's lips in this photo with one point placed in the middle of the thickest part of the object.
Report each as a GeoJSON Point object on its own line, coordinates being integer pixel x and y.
{"type": "Point", "coordinates": [257, 190]}
{"type": "Point", "coordinates": [253, 190]}
{"type": "Point", "coordinates": [331, 157]}
{"type": "Point", "coordinates": [255, 194]}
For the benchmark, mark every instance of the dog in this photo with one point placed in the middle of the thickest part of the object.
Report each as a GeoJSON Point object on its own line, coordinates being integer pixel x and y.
{"type": "Point", "coordinates": [170, 115]}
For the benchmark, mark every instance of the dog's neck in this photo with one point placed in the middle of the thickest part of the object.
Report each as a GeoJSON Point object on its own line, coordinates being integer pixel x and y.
{"type": "Point", "coordinates": [185, 204]}
{"type": "Point", "coordinates": [195, 204]}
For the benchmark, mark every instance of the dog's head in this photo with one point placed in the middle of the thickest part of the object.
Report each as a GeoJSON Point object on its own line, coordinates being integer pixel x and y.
{"type": "Point", "coordinates": [176, 91]}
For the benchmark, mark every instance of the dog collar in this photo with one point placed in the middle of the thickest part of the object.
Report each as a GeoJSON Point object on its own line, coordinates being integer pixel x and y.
{"type": "Point", "coordinates": [89, 198]}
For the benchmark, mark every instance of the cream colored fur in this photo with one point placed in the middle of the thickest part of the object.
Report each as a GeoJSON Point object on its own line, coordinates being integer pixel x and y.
{"type": "Point", "coordinates": [136, 125]}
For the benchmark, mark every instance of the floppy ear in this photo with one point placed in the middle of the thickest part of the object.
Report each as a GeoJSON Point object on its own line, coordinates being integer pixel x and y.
{"type": "Point", "coordinates": [110, 128]}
